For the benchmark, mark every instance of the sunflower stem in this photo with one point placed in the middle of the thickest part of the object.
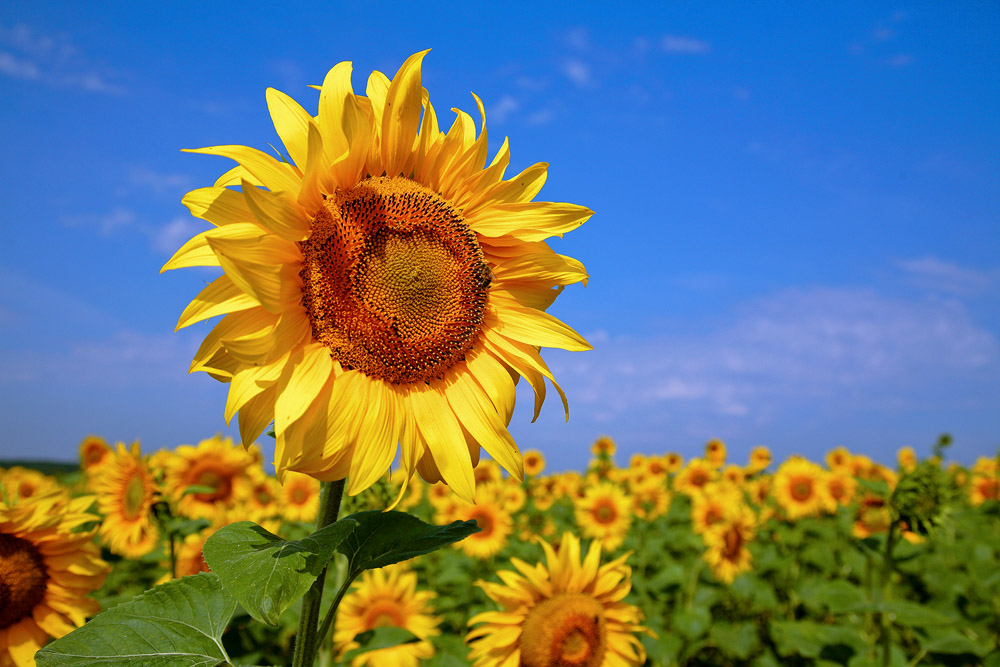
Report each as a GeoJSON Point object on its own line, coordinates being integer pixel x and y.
{"type": "Point", "coordinates": [306, 643]}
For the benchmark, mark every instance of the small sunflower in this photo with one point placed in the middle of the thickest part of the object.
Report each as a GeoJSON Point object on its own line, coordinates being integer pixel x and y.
{"type": "Point", "coordinates": [385, 287]}
{"type": "Point", "coordinates": [215, 465]}
{"type": "Point", "coordinates": [840, 488]}
{"type": "Point", "coordinates": [534, 463]}
{"type": "Point", "coordinates": [715, 452]}
{"type": "Point", "coordinates": [650, 500]}
{"type": "Point", "coordinates": [713, 505]}
{"type": "Point", "coordinates": [264, 500]}
{"type": "Point", "coordinates": [673, 462]}
{"type": "Point", "coordinates": [871, 516]}
{"type": "Point", "coordinates": [489, 513]}
{"type": "Point", "coordinates": [126, 492]}
{"type": "Point", "coordinates": [387, 597]}
{"type": "Point", "coordinates": [94, 450]}
{"type": "Point", "coordinates": [694, 476]}
{"type": "Point", "coordinates": [734, 475]}
{"type": "Point", "coordinates": [563, 612]}
{"type": "Point", "coordinates": [300, 497]}
{"type": "Point", "coordinates": [760, 458]}
{"type": "Point", "coordinates": [46, 572]}
{"type": "Point", "coordinates": [839, 459]}
{"type": "Point", "coordinates": [984, 487]}
{"type": "Point", "coordinates": [605, 514]}
{"type": "Point", "coordinates": [726, 544]}
{"type": "Point", "coordinates": [19, 483]}
{"type": "Point", "coordinates": [907, 459]}
{"type": "Point", "coordinates": [604, 447]}
{"type": "Point", "coordinates": [799, 488]}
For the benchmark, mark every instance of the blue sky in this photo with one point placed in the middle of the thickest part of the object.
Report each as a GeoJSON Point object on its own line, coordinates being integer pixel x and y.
{"type": "Point", "coordinates": [796, 240]}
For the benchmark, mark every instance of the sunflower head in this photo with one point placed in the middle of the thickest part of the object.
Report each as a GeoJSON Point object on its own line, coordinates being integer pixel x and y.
{"type": "Point", "coordinates": [389, 271]}
{"type": "Point", "coordinates": [799, 488]}
{"type": "Point", "coordinates": [126, 491]}
{"type": "Point", "coordinates": [605, 513]}
{"type": "Point", "coordinates": [94, 450]}
{"type": "Point", "coordinates": [534, 463]}
{"type": "Point", "coordinates": [715, 452]}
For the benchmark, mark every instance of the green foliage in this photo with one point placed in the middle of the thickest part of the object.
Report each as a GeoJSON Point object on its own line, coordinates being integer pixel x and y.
{"type": "Point", "coordinates": [265, 573]}
{"type": "Point", "coordinates": [379, 638]}
{"type": "Point", "coordinates": [176, 624]}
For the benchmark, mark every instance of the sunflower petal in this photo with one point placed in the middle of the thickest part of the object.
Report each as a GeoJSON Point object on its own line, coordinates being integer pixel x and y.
{"type": "Point", "coordinates": [277, 212]}
{"type": "Point", "coordinates": [440, 430]}
{"type": "Point", "coordinates": [529, 221]}
{"type": "Point", "coordinates": [401, 116]}
{"type": "Point", "coordinates": [219, 297]}
{"type": "Point", "coordinates": [291, 123]}
{"type": "Point", "coordinates": [220, 206]}
{"type": "Point", "coordinates": [277, 176]}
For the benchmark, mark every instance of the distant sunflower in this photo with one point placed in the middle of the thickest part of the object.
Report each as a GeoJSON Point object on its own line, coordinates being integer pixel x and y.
{"type": "Point", "coordinates": [650, 500]}
{"type": "Point", "coordinates": [799, 488]}
{"type": "Point", "coordinates": [490, 514]}
{"type": "Point", "coordinates": [46, 572]}
{"type": "Point", "coordinates": [604, 447]}
{"type": "Point", "coordinates": [300, 497]}
{"type": "Point", "coordinates": [760, 458]}
{"type": "Point", "coordinates": [673, 461]}
{"type": "Point", "coordinates": [19, 483]}
{"type": "Point", "coordinates": [94, 450]}
{"type": "Point", "coordinates": [734, 475]}
{"type": "Point", "coordinates": [694, 476]}
{"type": "Point", "coordinates": [840, 488]}
{"type": "Point", "coordinates": [534, 463]}
{"type": "Point", "coordinates": [711, 507]}
{"type": "Point", "coordinates": [604, 513]}
{"type": "Point", "coordinates": [726, 544]}
{"type": "Point", "coordinates": [387, 597]}
{"type": "Point", "coordinates": [264, 500]}
{"type": "Point", "coordinates": [384, 286]}
{"type": "Point", "coordinates": [715, 452]}
{"type": "Point", "coordinates": [567, 611]}
{"type": "Point", "coordinates": [838, 459]}
{"type": "Point", "coordinates": [126, 492]}
{"type": "Point", "coordinates": [215, 465]}
{"type": "Point", "coordinates": [907, 459]}
{"type": "Point", "coordinates": [871, 516]}
{"type": "Point", "coordinates": [984, 487]}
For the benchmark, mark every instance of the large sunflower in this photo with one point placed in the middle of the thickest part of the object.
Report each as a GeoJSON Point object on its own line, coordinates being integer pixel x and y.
{"type": "Point", "coordinates": [126, 492]}
{"type": "Point", "coordinates": [564, 612]}
{"type": "Point", "coordinates": [46, 572]}
{"type": "Point", "coordinates": [384, 286]}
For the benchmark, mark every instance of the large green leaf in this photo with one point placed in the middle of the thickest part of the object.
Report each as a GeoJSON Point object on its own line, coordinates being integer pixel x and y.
{"type": "Point", "coordinates": [265, 573]}
{"type": "Point", "coordinates": [840, 597]}
{"type": "Point", "coordinates": [810, 640]}
{"type": "Point", "coordinates": [384, 538]}
{"type": "Point", "coordinates": [736, 640]}
{"type": "Point", "coordinates": [177, 624]}
{"type": "Point", "coordinates": [912, 614]}
{"type": "Point", "coordinates": [379, 638]}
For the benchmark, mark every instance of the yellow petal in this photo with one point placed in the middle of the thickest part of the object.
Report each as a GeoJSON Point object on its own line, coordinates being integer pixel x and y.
{"type": "Point", "coordinates": [262, 282]}
{"type": "Point", "coordinates": [314, 181]}
{"type": "Point", "coordinates": [255, 415]}
{"type": "Point", "coordinates": [522, 188]}
{"type": "Point", "coordinates": [277, 176]}
{"type": "Point", "coordinates": [23, 640]}
{"type": "Point", "coordinates": [290, 121]}
{"type": "Point", "coordinates": [445, 441]}
{"type": "Point", "coordinates": [529, 221]}
{"type": "Point", "coordinates": [401, 116]}
{"type": "Point", "coordinates": [219, 297]}
{"type": "Point", "coordinates": [220, 206]}
{"type": "Point", "coordinates": [248, 383]}
{"type": "Point", "coordinates": [377, 437]}
{"type": "Point", "coordinates": [532, 326]}
{"type": "Point", "coordinates": [546, 269]}
{"type": "Point", "coordinates": [277, 212]}
{"type": "Point", "coordinates": [307, 376]}
{"type": "Point", "coordinates": [478, 416]}
{"type": "Point", "coordinates": [496, 382]}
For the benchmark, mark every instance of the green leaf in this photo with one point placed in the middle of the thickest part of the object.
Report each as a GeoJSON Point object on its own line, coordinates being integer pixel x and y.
{"type": "Point", "coordinates": [840, 597]}
{"type": "Point", "coordinates": [265, 573]}
{"type": "Point", "coordinates": [199, 488]}
{"type": "Point", "coordinates": [911, 614]}
{"type": "Point", "coordinates": [177, 624]}
{"type": "Point", "coordinates": [954, 643]}
{"type": "Point", "coordinates": [692, 623]}
{"type": "Point", "coordinates": [379, 638]}
{"type": "Point", "coordinates": [810, 639]}
{"type": "Point", "coordinates": [384, 538]}
{"type": "Point", "coordinates": [737, 641]}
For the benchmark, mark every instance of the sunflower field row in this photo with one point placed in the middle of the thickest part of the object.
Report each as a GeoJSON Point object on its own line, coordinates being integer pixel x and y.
{"type": "Point", "coordinates": [661, 562]}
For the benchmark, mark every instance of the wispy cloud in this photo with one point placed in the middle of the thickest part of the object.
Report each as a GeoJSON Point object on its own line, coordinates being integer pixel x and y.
{"type": "Point", "coordinates": [51, 59]}
{"type": "Point", "coordinates": [900, 60]}
{"type": "Point", "coordinates": [578, 72]}
{"type": "Point", "coordinates": [938, 275]}
{"type": "Point", "coordinates": [171, 236]}
{"type": "Point", "coordinates": [540, 117]}
{"type": "Point", "coordinates": [500, 111]}
{"type": "Point", "coordinates": [104, 223]}
{"type": "Point", "coordinates": [578, 39]}
{"type": "Point", "coordinates": [157, 182]}
{"type": "Point", "coordinates": [681, 45]}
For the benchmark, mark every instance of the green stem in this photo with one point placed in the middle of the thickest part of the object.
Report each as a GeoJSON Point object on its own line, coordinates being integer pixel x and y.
{"type": "Point", "coordinates": [173, 556]}
{"type": "Point", "coordinates": [886, 589]}
{"type": "Point", "coordinates": [305, 640]}
{"type": "Point", "coordinates": [331, 614]}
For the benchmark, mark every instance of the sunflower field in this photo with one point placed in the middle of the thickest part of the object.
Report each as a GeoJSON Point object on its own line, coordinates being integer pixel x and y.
{"type": "Point", "coordinates": [661, 561]}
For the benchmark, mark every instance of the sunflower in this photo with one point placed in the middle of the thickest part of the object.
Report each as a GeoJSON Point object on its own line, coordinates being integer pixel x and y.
{"type": "Point", "coordinates": [513, 495]}
{"type": "Point", "coordinates": [760, 458]}
{"type": "Point", "coordinates": [489, 513]}
{"type": "Point", "coordinates": [871, 516]}
{"type": "Point", "coordinates": [673, 462]}
{"type": "Point", "coordinates": [265, 494]}
{"type": "Point", "coordinates": [388, 287]}
{"type": "Point", "coordinates": [726, 543]}
{"type": "Point", "coordinates": [907, 459]}
{"type": "Point", "coordinates": [712, 506]}
{"type": "Point", "coordinates": [563, 612]}
{"type": "Point", "coordinates": [839, 459]}
{"type": "Point", "coordinates": [734, 475]}
{"type": "Point", "coordinates": [604, 447]}
{"type": "Point", "coordinates": [94, 450]}
{"type": "Point", "coordinates": [534, 463]}
{"type": "Point", "coordinates": [694, 476]}
{"type": "Point", "coordinates": [19, 483]}
{"type": "Point", "coordinates": [840, 489]}
{"type": "Point", "coordinates": [605, 514]}
{"type": "Point", "coordinates": [799, 488]}
{"type": "Point", "coordinates": [384, 597]}
{"type": "Point", "coordinates": [650, 500]}
{"type": "Point", "coordinates": [214, 464]}
{"type": "Point", "coordinates": [300, 497]}
{"type": "Point", "coordinates": [487, 471]}
{"type": "Point", "coordinates": [530, 525]}
{"type": "Point", "coordinates": [715, 452]}
{"type": "Point", "coordinates": [46, 572]}
{"type": "Point", "coordinates": [984, 487]}
{"type": "Point", "coordinates": [126, 492]}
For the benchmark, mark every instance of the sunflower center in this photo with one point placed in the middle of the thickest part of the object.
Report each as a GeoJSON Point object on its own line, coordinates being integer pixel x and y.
{"type": "Point", "coordinates": [384, 613]}
{"type": "Point", "coordinates": [568, 630]}
{"type": "Point", "coordinates": [734, 543]}
{"type": "Point", "coordinates": [135, 495]}
{"type": "Point", "coordinates": [212, 478]}
{"type": "Point", "coordinates": [22, 579]}
{"type": "Point", "coordinates": [485, 522]}
{"type": "Point", "coordinates": [299, 496]}
{"type": "Point", "coordinates": [393, 280]}
{"type": "Point", "coordinates": [605, 512]}
{"type": "Point", "coordinates": [801, 489]}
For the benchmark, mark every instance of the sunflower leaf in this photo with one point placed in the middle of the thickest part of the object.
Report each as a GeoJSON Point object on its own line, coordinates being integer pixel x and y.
{"type": "Point", "coordinates": [265, 573]}
{"type": "Point", "coordinates": [384, 538]}
{"type": "Point", "coordinates": [379, 638]}
{"type": "Point", "coordinates": [177, 624]}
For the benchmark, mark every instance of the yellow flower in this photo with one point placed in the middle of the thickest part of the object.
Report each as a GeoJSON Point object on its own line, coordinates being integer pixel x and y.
{"type": "Point", "coordinates": [603, 447]}
{"type": "Point", "coordinates": [694, 476]}
{"type": "Point", "coordinates": [19, 483]}
{"type": "Point", "coordinates": [387, 597]}
{"type": "Point", "coordinates": [799, 488]}
{"type": "Point", "coordinates": [734, 475]}
{"type": "Point", "coordinates": [907, 458]}
{"type": "Point", "coordinates": [871, 517]}
{"type": "Point", "coordinates": [487, 471]}
{"type": "Point", "coordinates": [673, 461]}
{"type": "Point", "coordinates": [564, 612]}
{"type": "Point", "coordinates": [840, 488]}
{"type": "Point", "coordinates": [534, 463]}
{"type": "Point", "coordinates": [265, 493]}
{"type": "Point", "coordinates": [712, 505]}
{"type": "Point", "coordinates": [214, 464]}
{"type": "Point", "coordinates": [760, 458]}
{"type": "Point", "coordinates": [726, 543]}
{"type": "Point", "coordinates": [46, 572]}
{"type": "Point", "coordinates": [299, 497]}
{"type": "Point", "coordinates": [650, 500]}
{"type": "Point", "coordinates": [386, 286]}
{"type": "Point", "coordinates": [513, 495]}
{"type": "Point", "coordinates": [490, 515]}
{"type": "Point", "coordinates": [715, 452]}
{"type": "Point", "coordinates": [126, 492]}
{"type": "Point", "coordinates": [530, 525]}
{"type": "Point", "coordinates": [94, 451]}
{"type": "Point", "coordinates": [983, 488]}
{"type": "Point", "coordinates": [604, 513]}
{"type": "Point", "coordinates": [839, 459]}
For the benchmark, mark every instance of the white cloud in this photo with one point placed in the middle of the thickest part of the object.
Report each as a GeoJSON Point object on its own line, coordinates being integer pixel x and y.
{"type": "Point", "coordinates": [502, 109]}
{"type": "Point", "coordinates": [17, 68]}
{"type": "Point", "coordinates": [684, 45]}
{"type": "Point", "coordinates": [578, 72]}
{"type": "Point", "coordinates": [160, 183]}
{"type": "Point", "coordinates": [540, 117]}
{"type": "Point", "coordinates": [171, 236]}
{"type": "Point", "coordinates": [900, 60]}
{"type": "Point", "coordinates": [941, 276]}
{"type": "Point", "coordinates": [104, 223]}
{"type": "Point", "coordinates": [51, 59]}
